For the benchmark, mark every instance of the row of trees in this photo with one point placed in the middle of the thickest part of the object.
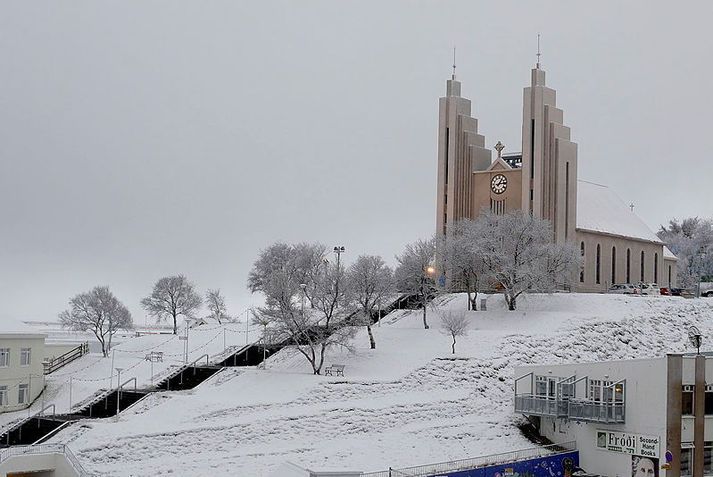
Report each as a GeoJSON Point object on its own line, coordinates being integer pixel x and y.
{"type": "Point", "coordinates": [314, 301]}
{"type": "Point", "coordinates": [100, 312]}
{"type": "Point", "coordinates": [691, 240]}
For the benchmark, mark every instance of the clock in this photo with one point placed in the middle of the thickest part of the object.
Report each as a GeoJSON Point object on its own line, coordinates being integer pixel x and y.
{"type": "Point", "coordinates": [499, 184]}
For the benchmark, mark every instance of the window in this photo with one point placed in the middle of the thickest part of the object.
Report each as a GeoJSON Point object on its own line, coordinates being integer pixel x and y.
{"type": "Point", "coordinates": [599, 263]}
{"type": "Point", "coordinates": [642, 266]}
{"type": "Point", "coordinates": [25, 356]}
{"type": "Point", "coordinates": [23, 394]}
{"type": "Point", "coordinates": [687, 459]}
{"type": "Point", "coordinates": [581, 271]}
{"type": "Point", "coordinates": [541, 385]}
{"type": "Point", "coordinates": [708, 457]}
{"type": "Point", "coordinates": [599, 390]}
{"type": "Point", "coordinates": [669, 275]}
{"type": "Point", "coordinates": [3, 395]}
{"type": "Point", "coordinates": [628, 265]}
{"type": "Point", "coordinates": [4, 357]}
{"type": "Point", "coordinates": [613, 265]}
{"type": "Point", "coordinates": [709, 400]}
{"type": "Point", "coordinates": [656, 268]}
{"type": "Point", "coordinates": [687, 401]}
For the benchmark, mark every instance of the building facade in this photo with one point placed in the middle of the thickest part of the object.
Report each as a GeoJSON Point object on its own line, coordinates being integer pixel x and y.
{"type": "Point", "coordinates": [616, 245]}
{"type": "Point", "coordinates": [628, 415]}
{"type": "Point", "coordinates": [21, 370]}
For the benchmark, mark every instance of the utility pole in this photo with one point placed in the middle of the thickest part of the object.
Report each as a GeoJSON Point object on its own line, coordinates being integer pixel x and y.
{"type": "Point", "coordinates": [70, 394]}
{"type": "Point", "coordinates": [118, 392]}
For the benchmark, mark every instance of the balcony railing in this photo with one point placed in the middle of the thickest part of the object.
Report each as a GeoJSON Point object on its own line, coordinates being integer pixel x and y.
{"type": "Point", "coordinates": [574, 409]}
{"type": "Point", "coordinates": [593, 411]}
{"type": "Point", "coordinates": [540, 406]}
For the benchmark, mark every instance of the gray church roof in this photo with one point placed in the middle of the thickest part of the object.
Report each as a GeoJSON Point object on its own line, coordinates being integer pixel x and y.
{"type": "Point", "coordinates": [599, 209]}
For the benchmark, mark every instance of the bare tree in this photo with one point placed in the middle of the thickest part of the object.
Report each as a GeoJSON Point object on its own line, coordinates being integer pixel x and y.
{"type": "Point", "coordinates": [172, 297]}
{"type": "Point", "coordinates": [519, 254]}
{"type": "Point", "coordinates": [216, 306]}
{"type": "Point", "coordinates": [414, 273]}
{"type": "Point", "coordinates": [454, 324]}
{"type": "Point", "coordinates": [277, 274]}
{"type": "Point", "coordinates": [98, 311]}
{"type": "Point", "coordinates": [369, 281]}
{"type": "Point", "coordinates": [462, 261]}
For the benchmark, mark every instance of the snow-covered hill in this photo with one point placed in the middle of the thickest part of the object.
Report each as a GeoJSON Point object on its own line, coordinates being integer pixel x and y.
{"type": "Point", "coordinates": [408, 402]}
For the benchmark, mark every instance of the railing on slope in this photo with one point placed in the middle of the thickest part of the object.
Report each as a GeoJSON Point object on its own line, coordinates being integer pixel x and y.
{"type": "Point", "coordinates": [475, 462]}
{"type": "Point", "coordinates": [45, 449]}
{"type": "Point", "coordinates": [53, 364]}
{"type": "Point", "coordinates": [17, 425]}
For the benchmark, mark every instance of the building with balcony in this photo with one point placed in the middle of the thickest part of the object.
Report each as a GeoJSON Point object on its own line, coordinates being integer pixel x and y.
{"type": "Point", "coordinates": [649, 415]}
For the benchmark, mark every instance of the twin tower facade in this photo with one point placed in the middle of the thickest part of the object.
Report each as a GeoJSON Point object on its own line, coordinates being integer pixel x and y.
{"type": "Point", "coordinates": [542, 179]}
{"type": "Point", "coordinates": [616, 246]}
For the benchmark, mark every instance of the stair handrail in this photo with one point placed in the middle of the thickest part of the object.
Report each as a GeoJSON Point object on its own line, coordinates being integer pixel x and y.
{"type": "Point", "coordinates": [121, 386]}
{"type": "Point", "coordinates": [42, 411]}
{"type": "Point", "coordinates": [193, 363]}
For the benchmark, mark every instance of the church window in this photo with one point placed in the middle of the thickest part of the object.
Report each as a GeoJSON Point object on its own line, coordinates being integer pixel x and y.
{"type": "Point", "coordinates": [581, 271]}
{"type": "Point", "coordinates": [598, 265]}
{"type": "Point", "coordinates": [642, 266]}
{"type": "Point", "coordinates": [628, 265]}
{"type": "Point", "coordinates": [656, 268]}
{"type": "Point", "coordinates": [613, 265]}
{"type": "Point", "coordinates": [669, 275]}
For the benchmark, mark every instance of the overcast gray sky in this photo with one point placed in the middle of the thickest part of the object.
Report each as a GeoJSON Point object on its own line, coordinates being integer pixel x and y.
{"type": "Point", "coordinates": [146, 138]}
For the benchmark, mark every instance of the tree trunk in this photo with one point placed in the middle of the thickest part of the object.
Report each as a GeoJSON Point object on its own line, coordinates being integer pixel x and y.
{"type": "Point", "coordinates": [453, 346]}
{"type": "Point", "coordinates": [371, 337]}
{"type": "Point", "coordinates": [470, 302]}
{"type": "Point", "coordinates": [425, 323]}
{"type": "Point", "coordinates": [175, 325]}
{"type": "Point", "coordinates": [474, 304]}
{"type": "Point", "coordinates": [512, 303]}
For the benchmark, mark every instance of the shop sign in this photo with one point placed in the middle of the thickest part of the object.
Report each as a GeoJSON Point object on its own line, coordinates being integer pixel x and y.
{"type": "Point", "coordinates": [627, 443]}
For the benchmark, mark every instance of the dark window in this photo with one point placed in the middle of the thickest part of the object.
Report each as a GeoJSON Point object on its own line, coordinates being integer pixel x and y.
{"type": "Point", "coordinates": [628, 265]}
{"type": "Point", "coordinates": [642, 266]}
{"type": "Point", "coordinates": [687, 461]}
{"type": "Point", "coordinates": [613, 265]}
{"type": "Point", "coordinates": [598, 266]}
{"type": "Point", "coordinates": [656, 268]}
{"type": "Point", "coordinates": [669, 275]}
{"type": "Point", "coordinates": [581, 271]}
{"type": "Point", "coordinates": [687, 402]}
{"type": "Point", "coordinates": [708, 457]}
{"type": "Point", "coordinates": [709, 403]}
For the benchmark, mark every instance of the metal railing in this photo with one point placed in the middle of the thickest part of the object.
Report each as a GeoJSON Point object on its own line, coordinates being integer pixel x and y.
{"type": "Point", "coordinates": [540, 405]}
{"type": "Point", "coordinates": [45, 449]}
{"type": "Point", "coordinates": [594, 411]}
{"type": "Point", "coordinates": [475, 462]}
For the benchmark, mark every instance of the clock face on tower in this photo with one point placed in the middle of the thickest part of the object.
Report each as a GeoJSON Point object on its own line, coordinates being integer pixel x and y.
{"type": "Point", "coordinates": [499, 184]}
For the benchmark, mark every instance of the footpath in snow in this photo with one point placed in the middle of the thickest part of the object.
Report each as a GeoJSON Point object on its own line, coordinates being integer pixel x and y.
{"type": "Point", "coordinates": [408, 402]}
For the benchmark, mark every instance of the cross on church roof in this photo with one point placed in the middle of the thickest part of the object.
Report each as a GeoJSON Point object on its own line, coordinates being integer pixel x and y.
{"type": "Point", "coordinates": [499, 147]}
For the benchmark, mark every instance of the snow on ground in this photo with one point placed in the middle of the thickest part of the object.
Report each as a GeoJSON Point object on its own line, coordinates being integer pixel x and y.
{"type": "Point", "coordinates": [93, 373]}
{"type": "Point", "coordinates": [408, 402]}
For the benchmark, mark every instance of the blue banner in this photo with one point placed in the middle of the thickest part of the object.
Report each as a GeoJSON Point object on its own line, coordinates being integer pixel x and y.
{"type": "Point", "coordinates": [560, 465]}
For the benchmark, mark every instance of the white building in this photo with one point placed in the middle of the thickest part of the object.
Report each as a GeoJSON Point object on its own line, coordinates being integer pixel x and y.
{"type": "Point", "coordinates": [22, 351]}
{"type": "Point", "coordinates": [648, 415]}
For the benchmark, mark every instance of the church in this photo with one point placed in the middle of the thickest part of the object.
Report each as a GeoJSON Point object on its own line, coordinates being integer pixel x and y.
{"type": "Point", "coordinates": [616, 246]}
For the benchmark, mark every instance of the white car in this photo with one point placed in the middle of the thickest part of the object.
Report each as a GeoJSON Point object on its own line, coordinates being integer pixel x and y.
{"type": "Point", "coordinates": [649, 288]}
{"type": "Point", "coordinates": [625, 289]}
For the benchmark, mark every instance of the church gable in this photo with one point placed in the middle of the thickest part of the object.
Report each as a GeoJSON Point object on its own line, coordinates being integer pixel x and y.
{"type": "Point", "coordinates": [499, 165]}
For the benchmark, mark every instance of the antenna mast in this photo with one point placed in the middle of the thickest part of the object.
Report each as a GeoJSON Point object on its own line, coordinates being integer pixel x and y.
{"type": "Point", "coordinates": [454, 64]}
{"type": "Point", "coordinates": [538, 51]}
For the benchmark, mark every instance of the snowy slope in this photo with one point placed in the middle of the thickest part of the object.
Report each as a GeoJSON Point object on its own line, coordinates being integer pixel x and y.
{"type": "Point", "coordinates": [408, 402]}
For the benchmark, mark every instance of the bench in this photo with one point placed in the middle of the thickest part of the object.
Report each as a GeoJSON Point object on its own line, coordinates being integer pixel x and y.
{"type": "Point", "coordinates": [334, 370]}
{"type": "Point", "coordinates": [154, 356]}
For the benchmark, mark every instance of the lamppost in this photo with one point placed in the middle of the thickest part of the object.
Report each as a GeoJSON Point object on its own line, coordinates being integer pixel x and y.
{"type": "Point", "coordinates": [118, 392]}
{"type": "Point", "coordinates": [339, 250]}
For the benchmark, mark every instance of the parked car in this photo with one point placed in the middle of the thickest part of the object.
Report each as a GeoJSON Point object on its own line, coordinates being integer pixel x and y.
{"type": "Point", "coordinates": [649, 289]}
{"type": "Point", "coordinates": [707, 294]}
{"type": "Point", "coordinates": [682, 292]}
{"type": "Point", "coordinates": [664, 291]}
{"type": "Point", "coordinates": [625, 289]}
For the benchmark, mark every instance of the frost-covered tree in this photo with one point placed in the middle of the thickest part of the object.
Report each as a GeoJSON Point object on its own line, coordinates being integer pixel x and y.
{"type": "Point", "coordinates": [454, 324]}
{"type": "Point", "coordinates": [98, 311]}
{"type": "Point", "coordinates": [369, 281]}
{"type": "Point", "coordinates": [461, 260]}
{"type": "Point", "coordinates": [691, 241]}
{"type": "Point", "coordinates": [173, 297]}
{"type": "Point", "coordinates": [216, 306]}
{"type": "Point", "coordinates": [278, 274]}
{"type": "Point", "coordinates": [520, 255]}
{"type": "Point", "coordinates": [414, 273]}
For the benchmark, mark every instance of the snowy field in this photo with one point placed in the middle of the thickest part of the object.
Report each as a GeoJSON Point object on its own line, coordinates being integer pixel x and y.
{"type": "Point", "coordinates": [408, 402]}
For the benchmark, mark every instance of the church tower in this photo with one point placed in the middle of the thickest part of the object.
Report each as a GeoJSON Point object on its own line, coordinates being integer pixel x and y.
{"type": "Point", "coordinates": [549, 160]}
{"type": "Point", "coordinates": [461, 150]}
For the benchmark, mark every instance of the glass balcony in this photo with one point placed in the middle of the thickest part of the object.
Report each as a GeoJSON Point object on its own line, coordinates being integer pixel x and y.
{"type": "Point", "coordinates": [540, 406]}
{"type": "Point", "coordinates": [593, 411]}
